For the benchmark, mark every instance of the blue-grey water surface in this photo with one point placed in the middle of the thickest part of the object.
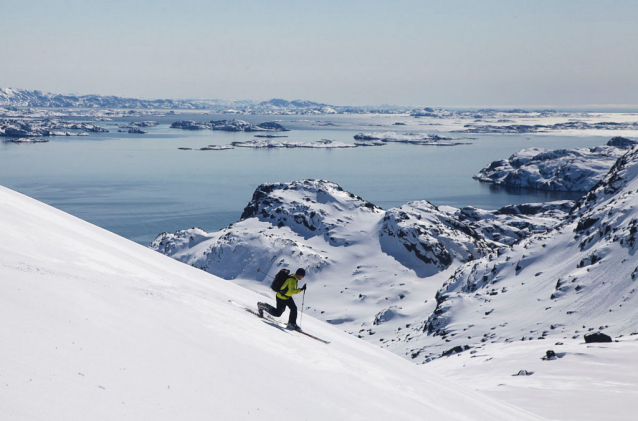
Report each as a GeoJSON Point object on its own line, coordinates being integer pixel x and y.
{"type": "Point", "coordinates": [140, 185]}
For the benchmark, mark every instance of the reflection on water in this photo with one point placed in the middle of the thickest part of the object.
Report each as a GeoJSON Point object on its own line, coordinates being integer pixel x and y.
{"type": "Point", "coordinates": [542, 195]}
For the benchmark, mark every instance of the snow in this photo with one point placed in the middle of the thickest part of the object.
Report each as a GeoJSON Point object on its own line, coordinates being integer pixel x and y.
{"type": "Point", "coordinates": [97, 327]}
{"type": "Point", "coordinates": [564, 170]}
{"type": "Point", "coordinates": [362, 262]}
{"type": "Point", "coordinates": [269, 143]}
{"type": "Point", "coordinates": [576, 278]}
{"type": "Point", "coordinates": [555, 273]}
{"type": "Point", "coordinates": [585, 382]}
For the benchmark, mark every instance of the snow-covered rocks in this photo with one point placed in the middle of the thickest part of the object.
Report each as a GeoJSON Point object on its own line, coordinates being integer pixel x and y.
{"type": "Point", "coordinates": [216, 148]}
{"type": "Point", "coordinates": [544, 128]}
{"type": "Point", "coordinates": [46, 127]}
{"type": "Point", "coordinates": [137, 130]}
{"type": "Point", "coordinates": [309, 208]}
{"type": "Point", "coordinates": [234, 125]}
{"type": "Point", "coordinates": [563, 170]}
{"type": "Point", "coordinates": [512, 223]}
{"type": "Point", "coordinates": [412, 138]}
{"type": "Point", "coordinates": [271, 143]}
{"type": "Point", "coordinates": [25, 140]}
{"type": "Point", "coordinates": [576, 278]}
{"type": "Point", "coordinates": [427, 240]}
{"type": "Point", "coordinates": [190, 125]}
{"type": "Point", "coordinates": [373, 272]}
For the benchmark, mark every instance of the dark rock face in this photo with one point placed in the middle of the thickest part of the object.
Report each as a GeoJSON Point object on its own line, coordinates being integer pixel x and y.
{"type": "Point", "coordinates": [456, 350]}
{"type": "Point", "coordinates": [597, 337]}
{"type": "Point", "coordinates": [137, 131]}
{"type": "Point", "coordinates": [621, 142]}
{"type": "Point", "coordinates": [273, 126]}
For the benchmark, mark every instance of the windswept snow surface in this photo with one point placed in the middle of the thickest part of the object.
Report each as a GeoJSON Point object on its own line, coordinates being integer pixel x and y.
{"type": "Point", "coordinates": [96, 327]}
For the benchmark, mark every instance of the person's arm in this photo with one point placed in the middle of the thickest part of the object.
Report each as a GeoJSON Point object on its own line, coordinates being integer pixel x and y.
{"type": "Point", "coordinates": [292, 287]}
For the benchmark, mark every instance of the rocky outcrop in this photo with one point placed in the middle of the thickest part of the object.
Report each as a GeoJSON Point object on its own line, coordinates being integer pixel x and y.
{"type": "Point", "coordinates": [540, 128]}
{"type": "Point", "coordinates": [428, 240]}
{"type": "Point", "coordinates": [513, 223]}
{"type": "Point", "coordinates": [560, 170]}
{"type": "Point", "coordinates": [270, 143]}
{"type": "Point", "coordinates": [411, 138]}
{"type": "Point", "coordinates": [234, 125]}
{"type": "Point", "coordinates": [597, 337]}
{"type": "Point", "coordinates": [45, 127]}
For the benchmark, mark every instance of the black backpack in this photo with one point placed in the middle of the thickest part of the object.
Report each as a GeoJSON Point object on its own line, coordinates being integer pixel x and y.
{"type": "Point", "coordinates": [279, 280]}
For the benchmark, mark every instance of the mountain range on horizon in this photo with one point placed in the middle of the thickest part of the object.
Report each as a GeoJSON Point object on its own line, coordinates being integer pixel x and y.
{"type": "Point", "coordinates": [13, 97]}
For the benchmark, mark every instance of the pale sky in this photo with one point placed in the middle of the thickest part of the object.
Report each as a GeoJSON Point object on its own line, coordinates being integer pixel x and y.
{"type": "Point", "coordinates": [349, 52]}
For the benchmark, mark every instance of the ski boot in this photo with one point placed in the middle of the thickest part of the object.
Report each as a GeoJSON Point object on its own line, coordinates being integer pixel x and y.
{"type": "Point", "coordinates": [260, 308]}
{"type": "Point", "coordinates": [293, 326]}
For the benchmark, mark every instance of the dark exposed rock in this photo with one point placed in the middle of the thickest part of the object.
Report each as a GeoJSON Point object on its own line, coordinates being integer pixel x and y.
{"type": "Point", "coordinates": [597, 337]}
{"type": "Point", "coordinates": [456, 350]}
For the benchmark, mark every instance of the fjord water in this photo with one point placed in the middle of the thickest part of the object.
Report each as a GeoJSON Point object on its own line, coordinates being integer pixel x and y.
{"type": "Point", "coordinates": [140, 185]}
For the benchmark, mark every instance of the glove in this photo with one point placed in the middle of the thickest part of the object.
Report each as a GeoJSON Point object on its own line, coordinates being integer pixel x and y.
{"type": "Point", "coordinates": [303, 288]}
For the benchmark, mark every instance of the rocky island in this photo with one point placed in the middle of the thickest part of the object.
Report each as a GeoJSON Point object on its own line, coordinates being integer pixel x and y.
{"type": "Point", "coordinates": [234, 125]}
{"type": "Point", "coordinates": [559, 170]}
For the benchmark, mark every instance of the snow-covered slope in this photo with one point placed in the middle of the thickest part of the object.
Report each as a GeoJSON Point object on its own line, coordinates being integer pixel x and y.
{"type": "Point", "coordinates": [374, 273]}
{"type": "Point", "coordinates": [574, 279]}
{"type": "Point", "coordinates": [563, 169]}
{"type": "Point", "coordinates": [95, 327]}
{"type": "Point", "coordinates": [583, 382]}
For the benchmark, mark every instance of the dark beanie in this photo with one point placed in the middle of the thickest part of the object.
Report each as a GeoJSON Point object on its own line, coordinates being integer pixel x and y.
{"type": "Point", "coordinates": [300, 272]}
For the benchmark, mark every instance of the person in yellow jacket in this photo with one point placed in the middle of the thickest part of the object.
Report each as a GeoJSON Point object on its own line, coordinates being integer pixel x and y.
{"type": "Point", "coordinates": [284, 299]}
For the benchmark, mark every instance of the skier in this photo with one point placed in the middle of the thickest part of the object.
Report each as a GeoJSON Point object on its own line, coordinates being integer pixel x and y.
{"type": "Point", "coordinates": [284, 299]}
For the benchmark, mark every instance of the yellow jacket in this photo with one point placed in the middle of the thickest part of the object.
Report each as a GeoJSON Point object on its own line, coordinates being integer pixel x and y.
{"type": "Point", "coordinates": [289, 288]}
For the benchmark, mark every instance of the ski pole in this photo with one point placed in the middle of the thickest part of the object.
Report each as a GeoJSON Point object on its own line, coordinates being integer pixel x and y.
{"type": "Point", "coordinates": [259, 270]}
{"type": "Point", "coordinates": [303, 300]}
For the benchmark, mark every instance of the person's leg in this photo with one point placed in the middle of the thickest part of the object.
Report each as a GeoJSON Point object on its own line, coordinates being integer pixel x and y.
{"type": "Point", "coordinates": [276, 312]}
{"type": "Point", "coordinates": [293, 311]}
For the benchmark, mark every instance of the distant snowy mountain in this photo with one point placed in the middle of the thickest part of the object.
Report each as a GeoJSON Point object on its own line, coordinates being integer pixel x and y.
{"type": "Point", "coordinates": [563, 169]}
{"type": "Point", "coordinates": [96, 327]}
{"type": "Point", "coordinates": [34, 98]}
{"type": "Point", "coordinates": [10, 97]}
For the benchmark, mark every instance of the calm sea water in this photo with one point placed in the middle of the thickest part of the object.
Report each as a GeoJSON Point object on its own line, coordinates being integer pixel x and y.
{"type": "Point", "coordinates": [141, 185]}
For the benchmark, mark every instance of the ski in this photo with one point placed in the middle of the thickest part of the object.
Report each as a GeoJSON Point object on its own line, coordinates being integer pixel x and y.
{"type": "Point", "coordinates": [269, 319]}
{"type": "Point", "coordinates": [313, 337]}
